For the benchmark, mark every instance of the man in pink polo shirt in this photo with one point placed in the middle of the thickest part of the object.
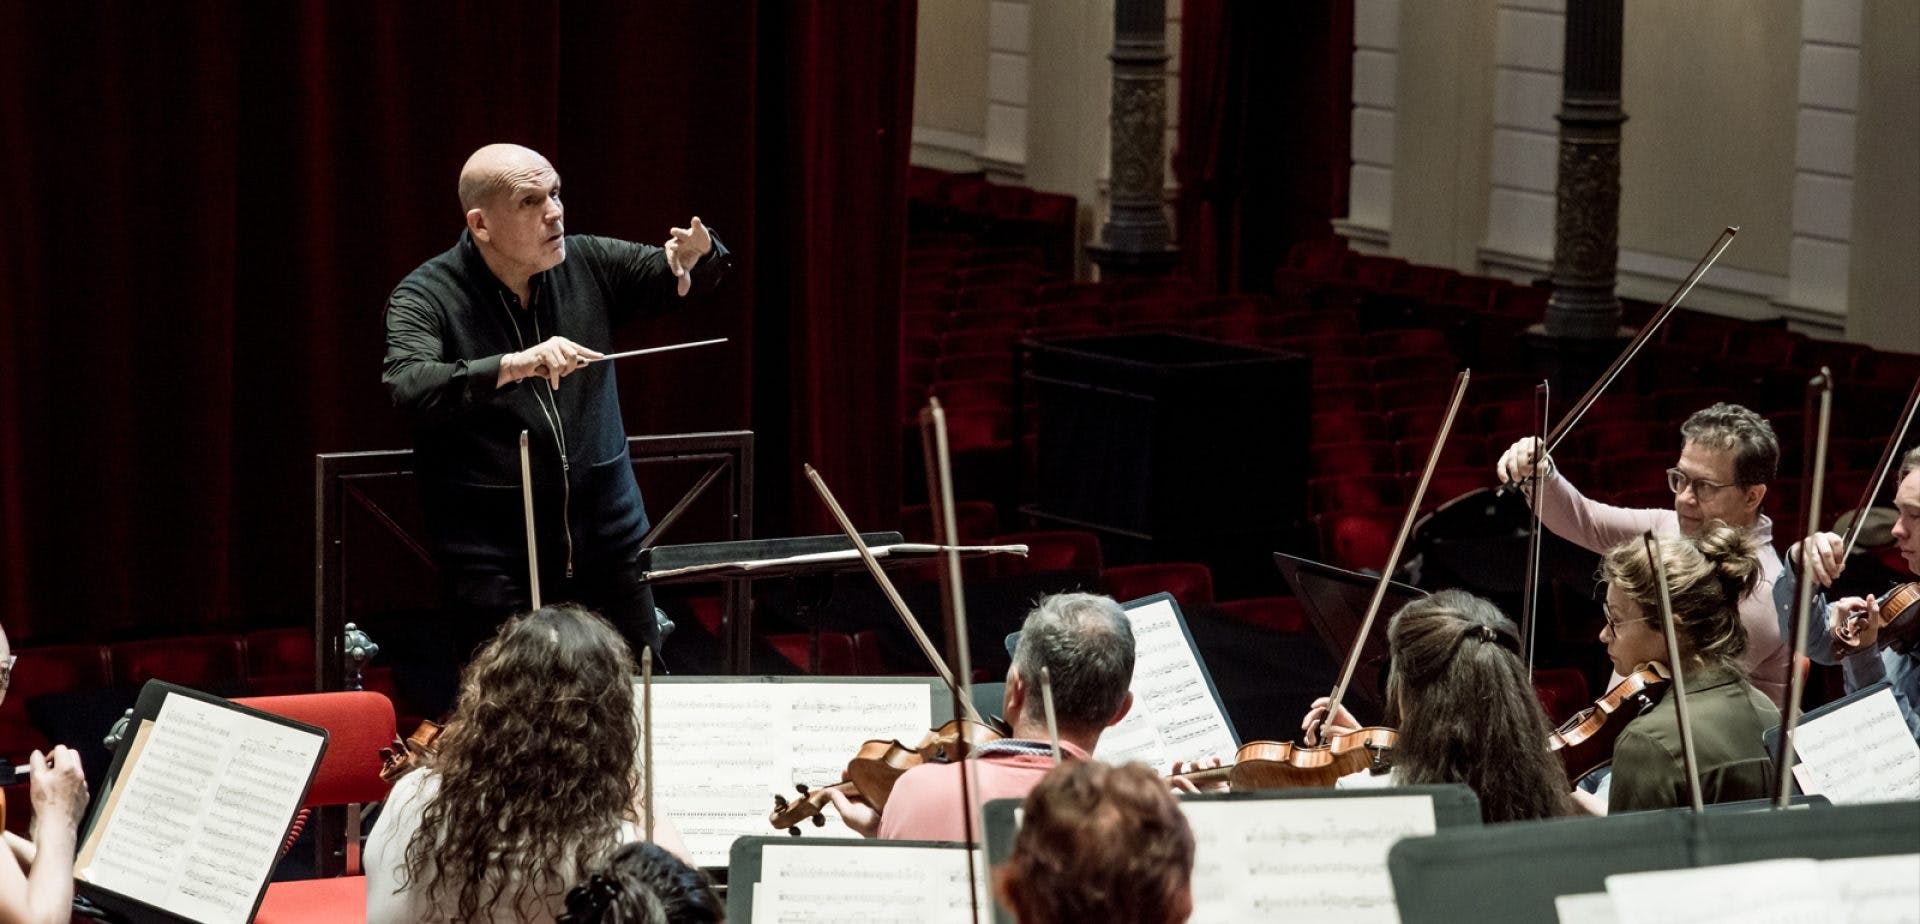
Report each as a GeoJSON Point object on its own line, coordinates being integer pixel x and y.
{"type": "Point", "coordinates": [1727, 456]}
{"type": "Point", "coordinates": [1086, 644]}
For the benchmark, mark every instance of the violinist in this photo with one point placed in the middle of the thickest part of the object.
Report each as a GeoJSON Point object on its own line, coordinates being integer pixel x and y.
{"type": "Point", "coordinates": [536, 782]}
{"type": "Point", "coordinates": [1707, 576]}
{"type": "Point", "coordinates": [36, 882]}
{"type": "Point", "coordinates": [1728, 454]}
{"type": "Point", "coordinates": [1850, 635]}
{"type": "Point", "coordinates": [1086, 644]}
{"type": "Point", "coordinates": [1467, 712]}
{"type": "Point", "coordinates": [644, 884]}
{"type": "Point", "coordinates": [1099, 843]}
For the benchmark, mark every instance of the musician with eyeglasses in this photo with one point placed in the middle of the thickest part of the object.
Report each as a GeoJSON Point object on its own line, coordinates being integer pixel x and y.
{"type": "Point", "coordinates": [1728, 455]}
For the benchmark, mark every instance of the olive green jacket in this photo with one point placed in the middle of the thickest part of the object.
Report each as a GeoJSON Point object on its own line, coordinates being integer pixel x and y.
{"type": "Point", "coordinates": [1728, 717]}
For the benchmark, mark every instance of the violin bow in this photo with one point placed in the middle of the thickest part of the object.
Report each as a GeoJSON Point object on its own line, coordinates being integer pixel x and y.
{"type": "Point", "coordinates": [1530, 589]}
{"type": "Point", "coordinates": [1046, 705]}
{"type": "Point", "coordinates": [1894, 442]}
{"type": "Point", "coordinates": [1626, 356]}
{"type": "Point", "coordinates": [1688, 756]}
{"type": "Point", "coordinates": [887, 588]}
{"type": "Point", "coordinates": [1820, 392]}
{"type": "Point", "coordinates": [933, 436]}
{"type": "Point", "coordinates": [646, 739]}
{"type": "Point", "coordinates": [526, 495]}
{"type": "Point", "coordinates": [1399, 543]}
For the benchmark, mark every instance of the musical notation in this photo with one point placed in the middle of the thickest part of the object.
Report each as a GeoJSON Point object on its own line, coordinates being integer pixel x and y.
{"type": "Point", "coordinates": [1305, 859]}
{"type": "Point", "coordinates": [1174, 715]}
{"type": "Point", "coordinates": [807, 883]}
{"type": "Point", "coordinates": [1861, 752]}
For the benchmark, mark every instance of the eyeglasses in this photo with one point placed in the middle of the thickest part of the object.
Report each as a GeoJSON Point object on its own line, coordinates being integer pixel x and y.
{"type": "Point", "coordinates": [1613, 625]}
{"type": "Point", "coordinates": [6, 673]}
{"type": "Point", "coordinates": [1679, 482]}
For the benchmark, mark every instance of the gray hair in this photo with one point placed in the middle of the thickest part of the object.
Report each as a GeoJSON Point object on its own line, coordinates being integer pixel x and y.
{"type": "Point", "coordinates": [1732, 428]}
{"type": "Point", "coordinates": [1086, 644]}
{"type": "Point", "coordinates": [1910, 463]}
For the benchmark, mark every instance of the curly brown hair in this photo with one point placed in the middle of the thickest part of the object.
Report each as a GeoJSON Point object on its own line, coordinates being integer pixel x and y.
{"type": "Point", "coordinates": [537, 768]}
{"type": "Point", "coordinates": [1100, 843]}
{"type": "Point", "coordinates": [1707, 575]}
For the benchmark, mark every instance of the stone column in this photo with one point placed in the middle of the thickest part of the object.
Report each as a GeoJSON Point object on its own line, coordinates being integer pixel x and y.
{"type": "Point", "coordinates": [1586, 234]}
{"type": "Point", "coordinates": [1136, 239]}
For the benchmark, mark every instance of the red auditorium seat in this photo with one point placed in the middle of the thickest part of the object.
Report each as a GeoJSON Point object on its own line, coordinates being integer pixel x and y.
{"type": "Point", "coordinates": [868, 659]}
{"type": "Point", "coordinates": [1839, 355]}
{"type": "Point", "coordinates": [1377, 272]}
{"type": "Point", "coordinates": [1461, 451]}
{"type": "Point", "coordinates": [1473, 290]}
{"type": "Point", "coordinates": [975, 394]}
{"type": "Point", "coordinates": [1406, 394]}
{"type": "Point", "coordinates": [1449, 483]}
{"type": "Point", "coordinates": [1403, 366]}
{"type": "Point", "coordinates": [1124, 290]}
{"type": "Point", "coordinates": [977, 521]}
{"type": "Point", "coordinates": [1677, 404]}
{"type": "Point", "coordinates": [1754, 345]}
{"type": "Point", "coordinates": [1049, 550]}
{"type": "Point", "coordinates": [1350, 346]}
{"type": "Point", "coordinates": [1065, 331]}
{"type": "Point", "coordinates": [978, 428]}
{"type": "Point", "coordinates": [1601, 438]}
{"type": "Point", "coordinates": [1275, 614]}
{"type": "Point", "coordinates": [280, 661]}
{"type": "Point", "coordinates": [1521, 302]}
{"type": "Point", "coordinates": [1512, 418]}
{"type": "Point", "coordinates": [984, 366]}
{"type": "Point", "coordinates": [981, 297]}
{"type": "Point", "coordinates": [358, 725]}
{"type": "Point", "coordinates": [1368, 457]}
{"type": "Point", "coordinates": [1064, 313]}
{"type": "Point", "coordinates": [42, 671]}
{"type": "Point", "coordinates": [1624, 472]}
{"type": "Point", "coordinates": [1357, 541]}
{"type": "Point", "coordinates": [708, 611]}
{"type": "Point", "coordinates": [203, 662]}
{"type": "Point", "coordinates": [1422, 423]}
{"type": "Point", "coordinates": [960, 343]}
{"type": "Point", "coordinates": [923, 323]}
{"type": "Point", "coordinates": [1355, 493]}
{"type": "Point", "coordinates": [1342, 399]}
{"type": "Point", "coordinates": [1234, 306]}
{"type": "Point", "coordinates": [1190, 583]}
{"type": "Point", "coordinates": [1155, 309]}
{"type": "Point", "coordinates": [1311, 324]}
{"type": "Point", "coordinates": [836, 652]}
{"type": "Point", "coordinates": [1562, 691]}
{"type": "Point", "coordinates": [1065, 293]}
{"type": "Point", "coordinates": [1153, 325]}
{"type": "Point", "coordinates": [1883, 368]}
{"type": "Point", "coordinates": [1413, 341]}
{"type": "Point", "coordinates": [1347, 427]}
{"type": "Point", "coordinates": [1006, 319]}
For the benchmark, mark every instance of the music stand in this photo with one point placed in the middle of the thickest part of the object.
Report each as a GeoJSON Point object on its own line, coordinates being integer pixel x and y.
{"type": "Point", "coordinates": [1336, 601]}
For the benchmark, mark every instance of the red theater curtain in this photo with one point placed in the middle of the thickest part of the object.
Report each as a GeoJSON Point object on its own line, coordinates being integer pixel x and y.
{"type": "Point", "coordinates": [211, 201]}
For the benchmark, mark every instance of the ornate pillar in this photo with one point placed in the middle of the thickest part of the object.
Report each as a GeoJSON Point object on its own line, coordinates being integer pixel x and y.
{"type": "Point", "coordinates": [1136, 239]}
{"type": "Point", "coordinates": [1586, 234]}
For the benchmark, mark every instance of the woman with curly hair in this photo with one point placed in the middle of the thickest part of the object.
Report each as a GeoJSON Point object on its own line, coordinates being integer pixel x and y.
{"type": "Point", "coordinates": [536, 782]}
{"type": "Point", "coordinates": [1099, 843]}
{"type": "Point", "coordinates": [644, 884]}
{"type": "Point", "coordinates": [1707, 575]}
{"type": "Point", "coordinates": [1466, 710]}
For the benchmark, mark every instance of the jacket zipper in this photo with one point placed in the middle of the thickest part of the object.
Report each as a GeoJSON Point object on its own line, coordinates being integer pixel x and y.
{"type": "Point", "coordinates": [550, 408]}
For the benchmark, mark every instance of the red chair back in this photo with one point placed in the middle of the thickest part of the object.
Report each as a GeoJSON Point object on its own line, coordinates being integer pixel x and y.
{"type": "Point", "coordinates": [1049, 550]}
{"type": "Point", "coordinates": [359, 723]}
{"type": "Point", "coordinates": [1190, 583]}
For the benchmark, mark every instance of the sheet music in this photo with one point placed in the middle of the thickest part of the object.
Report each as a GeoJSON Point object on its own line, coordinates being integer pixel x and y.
{"type": "Point", "coordinates": [1861, 752]}
{"type": "Point", "coordinates": [1300, 859]}
{"type": "Point", "coordinates": [722, 750]}
{"type": "Point", "coordinates": [197, 826]}
{"type": "Point", "coordinates": [1174, 715]}
{"type": "Point", "coordinates": [1585, 908]}
{"type": "Point", "coordinates": [830, 884]}
{"type": "Point", "coordinates": [1766, 892]}
{"type": "Point", "coordinates": [1875, 890]}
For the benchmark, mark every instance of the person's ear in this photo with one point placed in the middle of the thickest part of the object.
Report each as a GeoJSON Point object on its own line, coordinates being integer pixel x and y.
{"type": "Point", "coordinates": [1755, 493]}
{"type": "Point", "coordinates": [477, 224]}
{"type": "Point", "coordinates": [1126, 706]}
{"type": "Point", "coordinates": [1014, 700]}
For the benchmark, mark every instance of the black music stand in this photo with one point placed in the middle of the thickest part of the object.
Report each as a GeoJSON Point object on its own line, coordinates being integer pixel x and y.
{"type": "Point", "coordinates": [809, 562]}
{"type": "Point", "coordinates": [1336, 601]}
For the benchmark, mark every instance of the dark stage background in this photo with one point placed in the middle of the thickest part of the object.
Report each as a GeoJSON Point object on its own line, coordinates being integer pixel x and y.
{"type": "Point", "coordinates": [209, 202]}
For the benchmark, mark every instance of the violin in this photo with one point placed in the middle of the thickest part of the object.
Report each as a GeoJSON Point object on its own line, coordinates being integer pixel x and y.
{"type": "Point", "coordinates": [1900, 617]}
{"type": "Point", "coordinates": [1585, 742]}
{"type": "Point", "coordinates": [414, 751]}
{"type": "Point", "coordinates": [1285, 765]}
{"type": "Point", "coordinates": [870, 776]}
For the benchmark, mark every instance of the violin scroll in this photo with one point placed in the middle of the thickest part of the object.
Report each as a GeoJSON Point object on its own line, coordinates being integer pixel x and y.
{"type": "Point", "coordinates": [414, 751]}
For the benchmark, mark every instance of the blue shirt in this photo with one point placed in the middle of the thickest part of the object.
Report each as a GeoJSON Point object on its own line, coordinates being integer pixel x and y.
{"type": "Point", "coordinates": [1860, 670]}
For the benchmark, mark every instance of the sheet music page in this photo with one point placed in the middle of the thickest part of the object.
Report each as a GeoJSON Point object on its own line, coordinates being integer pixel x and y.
{"type": "Point", "coordinates": [722, 750]}
{"type": "Point", "coordinates": [1766, 892]}
{"type": "Point", "coordinates": [198, 825]}
{"type": "Point", "coordinates": [1300, 859]}
{"type": "Point", "coordinates": [1174, 715]}
{"type": "Point", "coordinates": [1861, 752]}
{"type": "Point", "coordinates": [872, 885]}
{"type": "Point", "coordinates": [1585, 908]}
{"type": "Point", "coordinates": [1875, 890]}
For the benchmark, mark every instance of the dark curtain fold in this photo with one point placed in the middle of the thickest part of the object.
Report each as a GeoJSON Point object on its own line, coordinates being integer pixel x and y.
{"type": "Point", "coordinates": [213, 200]}
{"type": "Point", "coordinates": [1263, 147]}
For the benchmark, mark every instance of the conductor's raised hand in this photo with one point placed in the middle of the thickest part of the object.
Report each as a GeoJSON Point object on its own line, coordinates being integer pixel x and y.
{"type": "Point", "coordinates": [1316, 727]}
{"type": "Point", "coordinates": [1518, 463]}
{"type": "Point", "coordinates": [685, 247]}
{"type": "Point", "coordinates": [553, 360]}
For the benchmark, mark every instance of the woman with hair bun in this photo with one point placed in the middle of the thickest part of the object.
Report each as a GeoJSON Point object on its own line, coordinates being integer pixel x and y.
{"type": "Point", "coordinates": [644, 884]}
{"type": "Point", "coordinates": [1465, 709]}
{"type": "Point", "coordinates": [536, 783]}
{"type": "Point", "coordinates": [1707, 576]}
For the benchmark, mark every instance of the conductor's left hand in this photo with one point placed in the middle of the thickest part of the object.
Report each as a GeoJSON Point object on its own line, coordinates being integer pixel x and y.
{"type": "Point", "coordinates": [685, 247]}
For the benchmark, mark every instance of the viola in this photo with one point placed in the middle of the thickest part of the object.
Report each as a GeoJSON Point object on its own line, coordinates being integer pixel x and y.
{"type": "Point", "coordinates": [414, 751]}
{"type": "Point", "coordinates": [1285, 765]}
{"type": "Point", "coordinates": [870, 776]}
{"type": "Point", "coordinates": [1585, 742]}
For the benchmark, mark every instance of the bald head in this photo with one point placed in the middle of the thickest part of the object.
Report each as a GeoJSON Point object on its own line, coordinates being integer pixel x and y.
{"type": "Point", "coordinates": [497, 169]}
